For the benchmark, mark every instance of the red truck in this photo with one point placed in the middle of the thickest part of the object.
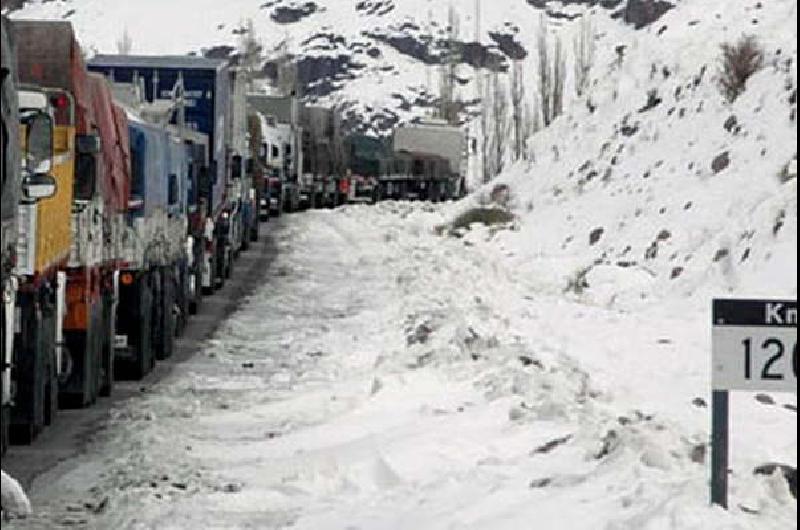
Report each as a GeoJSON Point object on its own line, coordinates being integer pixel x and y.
{"type": "Point", "coordinates": [49, 56]}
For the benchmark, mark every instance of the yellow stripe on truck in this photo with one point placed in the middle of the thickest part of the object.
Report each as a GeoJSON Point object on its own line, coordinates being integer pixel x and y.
{"type": "Point", "coordinates": [54, 215]}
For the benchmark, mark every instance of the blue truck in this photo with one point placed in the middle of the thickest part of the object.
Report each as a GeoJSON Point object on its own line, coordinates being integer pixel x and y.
{"type": "Point", "coordinates": [206, 93]}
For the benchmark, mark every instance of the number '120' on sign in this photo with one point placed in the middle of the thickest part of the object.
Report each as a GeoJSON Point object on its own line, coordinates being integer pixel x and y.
{"type": "Point", "coordinates": [754, 345]}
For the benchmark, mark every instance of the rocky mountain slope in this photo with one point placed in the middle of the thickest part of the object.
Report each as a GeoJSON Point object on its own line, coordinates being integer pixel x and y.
{"type": "Point", "coordinates": [381, 59]}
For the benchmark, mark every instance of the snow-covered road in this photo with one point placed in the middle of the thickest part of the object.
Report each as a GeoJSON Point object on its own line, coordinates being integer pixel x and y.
{"type": "Point", "coordinates": [385, 377]}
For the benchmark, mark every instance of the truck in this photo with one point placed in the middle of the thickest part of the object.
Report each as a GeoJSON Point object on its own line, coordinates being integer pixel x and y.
{"type": "Point", "coordinates": [243, 191]}
{"type": "Point", "coordinates": [206, 91]}
{"type": "Point", "coordinates": [49, 57]}
{"type": "Point", "coordinates": [428, 162]}
{"type": "Point", "coordinates": [33, 251]}
{"type": "Point", "coordinates": [368, 159]}
{"type": "Point", "coordinates": [277, 157]}
{"type": "Point", "coordinates": [281, 153]}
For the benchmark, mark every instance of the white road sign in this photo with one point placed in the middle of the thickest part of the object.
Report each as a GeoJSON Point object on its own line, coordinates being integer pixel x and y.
{"type": "Point", "coordinates": [754, 345]}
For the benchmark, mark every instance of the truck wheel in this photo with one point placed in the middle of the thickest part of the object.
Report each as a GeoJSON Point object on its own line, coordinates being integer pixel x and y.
{"type": "Point", "coordinates": [145, 358]}
{"type": "Point", "coordinates": [5, 421]}
{"type": "Point", "coordinates": [254, 233]}
{"type": "Point", "coordinates": [228, 266]}
{"type": "Point", "coordinates": [165, 332]}
{"type": "Point", "coordinates": [107, 349]}
{"type": "Point", "coordinates": [29, 412]}
{"type": "Point", "coordinates": [50, 397]}
{"type": "Point", "coordinates": [197, 297]}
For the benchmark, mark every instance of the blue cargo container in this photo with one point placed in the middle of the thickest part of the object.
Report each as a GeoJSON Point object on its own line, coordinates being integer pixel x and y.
{"type": "Point", "coordinates": [150, 168]}
{"type": "Point", "coordinates": [206, 91]}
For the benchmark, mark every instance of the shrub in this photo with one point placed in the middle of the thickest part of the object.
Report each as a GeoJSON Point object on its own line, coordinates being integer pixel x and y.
{"type": "Point", "coordinates": [739, 62]}
{"type": "Point", "coordinates": [485, 216]}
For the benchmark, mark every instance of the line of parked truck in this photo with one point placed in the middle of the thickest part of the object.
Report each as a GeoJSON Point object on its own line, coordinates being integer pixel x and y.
{"type": "Point", "coordinates": [130, 184]}
{"type": "Point", "coordinates": [126, 196]}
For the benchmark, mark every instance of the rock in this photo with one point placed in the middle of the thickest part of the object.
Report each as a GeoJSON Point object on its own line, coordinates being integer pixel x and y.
{"type": "Point", "coordinates": [552, 444]}
{"type": "Point", "coordinates": [789, 474]}
{"type": "Point", "coordinates": [595, 235]}
{"type": "Point", "coordinates": [642, 13]}
{"type": "Point", "coordinates": [232, 487]}
{"type": "Point", "coordinates": [528, 361]}
{"type": "Point", "coordinates": [540, 483]}
{"type": "Point", "coordinates": [377, 385]}
{"type": "Point", "coordinates": [721, 162]}
{"type": "Point", "coordinates": [698, 454]}
{"type": "Point", "coordinates": [610, 443]}
{"type": "Point", "coordinates": [764, 399]}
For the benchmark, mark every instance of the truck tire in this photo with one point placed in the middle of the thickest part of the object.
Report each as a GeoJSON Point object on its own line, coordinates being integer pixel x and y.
{"type": "Point", "coordinates": [5, 422]}
{"type": "Point", "coordinates": [196, 300]}
{"type": "Point", "coordinates": [165, 330]}
{"type": "Point", "coordinates": [107, 348]}
{"type": "Point", "coordinates": [134, 317]}
{"type": "Point", "coordinates": [219, 267]}
{"type": "Point", "coordinates": [145, 359]}
{"type": "Point", "coordinates": [229, 261]}
{"type": "Point", "coordinates": [254, 233]}
{"type": "Point", "coordinates": [28, 417]}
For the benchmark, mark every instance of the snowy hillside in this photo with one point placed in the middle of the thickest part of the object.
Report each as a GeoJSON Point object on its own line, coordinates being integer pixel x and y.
{"type": "Point", "coordinates": [380, 57]}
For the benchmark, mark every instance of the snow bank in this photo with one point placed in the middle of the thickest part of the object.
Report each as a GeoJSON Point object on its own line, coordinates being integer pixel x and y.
{"type": "Point", "coordinates": [14, 501]}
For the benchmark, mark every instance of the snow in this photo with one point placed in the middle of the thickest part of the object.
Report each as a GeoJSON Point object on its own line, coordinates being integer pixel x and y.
{"type": "Point", "coordinates": [386, 377]}
{"type": "Point", "coordinates": [14, 501]}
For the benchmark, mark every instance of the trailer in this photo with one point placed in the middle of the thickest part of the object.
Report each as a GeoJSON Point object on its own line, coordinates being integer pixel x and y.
{"type": "Point", "coordinates": [36, 243]}
{"type": "Point", "coordinates": [50, 57]}
{"type": "Point", "coordinates": [369, 158]}
{"type": "Point", "coordinates": [280, 152]}
{"type": "Point", "coordinates": [206, 91]}
{"type": "Point", "coordinates": [428, 163]}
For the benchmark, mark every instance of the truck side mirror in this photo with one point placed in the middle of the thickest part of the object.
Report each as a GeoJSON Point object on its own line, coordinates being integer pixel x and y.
{"type": "Point", "coordinates": [212, 173]}
{"type": "Point", "coordinates": [39, 186]}
{"type": "Point", "coordinates": [172, 189]}
{"type": "Point", "coordinates": [85, 176]}
{"type": "Point", "coordinates": [87, 144]}
{"type": "Point", "coordinates": [236, 167]}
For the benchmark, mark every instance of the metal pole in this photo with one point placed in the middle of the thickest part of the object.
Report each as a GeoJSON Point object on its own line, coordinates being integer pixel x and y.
{"type": "Point", "coordinates": [719, 448]}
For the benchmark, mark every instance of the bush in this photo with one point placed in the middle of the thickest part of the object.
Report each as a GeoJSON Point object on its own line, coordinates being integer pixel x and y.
{"type": "Point", "coordinates": [485, 216]}
{"type": "Point", "coordinates": [739, 62]}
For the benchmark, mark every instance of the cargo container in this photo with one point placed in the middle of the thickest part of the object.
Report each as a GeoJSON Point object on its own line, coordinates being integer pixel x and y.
{"type": "Point", "coordinates": [50, 57]}
{"type": "Point", "coordinates": [206, 92]}
{"type": "Point", "coordinates": [428, 162]}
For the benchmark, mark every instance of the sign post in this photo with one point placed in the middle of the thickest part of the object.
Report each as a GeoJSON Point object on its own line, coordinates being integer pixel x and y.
{"type": "Point", "coordinates": [754, 348]}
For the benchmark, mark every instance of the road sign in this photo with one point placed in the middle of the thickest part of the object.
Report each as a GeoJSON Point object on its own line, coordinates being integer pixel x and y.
{"type": "Point", "coordinates": [754, 345]}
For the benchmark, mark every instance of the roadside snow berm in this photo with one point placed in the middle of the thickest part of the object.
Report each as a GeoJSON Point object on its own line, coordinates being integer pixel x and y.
{"type": "Point", "coordinates": [13, 500]}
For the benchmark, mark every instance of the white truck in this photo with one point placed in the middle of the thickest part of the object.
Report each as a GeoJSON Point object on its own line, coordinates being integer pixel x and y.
{"type": "Point", "coordinates": [429, 162]}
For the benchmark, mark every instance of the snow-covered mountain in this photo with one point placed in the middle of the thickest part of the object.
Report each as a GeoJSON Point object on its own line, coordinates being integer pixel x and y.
{"type": "Point", "coordinates": [379, 57]}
